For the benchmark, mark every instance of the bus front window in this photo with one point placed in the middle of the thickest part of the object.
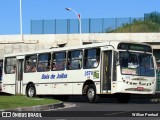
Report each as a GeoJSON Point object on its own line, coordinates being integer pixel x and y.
{"type": "Point", "coordinates": [133, 63]}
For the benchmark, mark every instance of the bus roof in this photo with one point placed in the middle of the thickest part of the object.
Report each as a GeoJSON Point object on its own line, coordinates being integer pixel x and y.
{"type": "Point", "coordinates": [114, 44]}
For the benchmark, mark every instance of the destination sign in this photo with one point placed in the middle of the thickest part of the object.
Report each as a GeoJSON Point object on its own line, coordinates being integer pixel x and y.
{"type": "Point", "coordinates": [136, 47]}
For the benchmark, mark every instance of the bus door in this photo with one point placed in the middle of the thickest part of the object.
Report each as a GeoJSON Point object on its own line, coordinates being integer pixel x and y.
{"type": "Point", "coordinates": [108, 69]}
{"type": "Point", "coordinates": [19, 74]}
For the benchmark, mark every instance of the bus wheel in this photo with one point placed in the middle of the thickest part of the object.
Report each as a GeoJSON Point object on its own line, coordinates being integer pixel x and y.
{"type": "Point", "coordinates": [31, 91]}
{"type": "Point", "coordinates": [91, 93]}
{"type": "Point", "coordinates": [123, 98]}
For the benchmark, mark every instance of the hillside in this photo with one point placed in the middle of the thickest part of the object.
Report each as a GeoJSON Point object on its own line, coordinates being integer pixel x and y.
{"type": "Point", "coordinates": [139, 26]}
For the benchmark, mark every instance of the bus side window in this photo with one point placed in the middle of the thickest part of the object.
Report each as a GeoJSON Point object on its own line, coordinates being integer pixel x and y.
{"type": "Point", "coordinates": [74, 60]}
{"type": "Point", "coordinates": [59, 61]}
{"type": "Point", "coordinates": [44, 62]}
{"type": "Point", "coordinates": [9, 65]}
{"type": "Point", "coordinates": [30, 63]}
{"type": "Point", "coordinates": [91, 58]}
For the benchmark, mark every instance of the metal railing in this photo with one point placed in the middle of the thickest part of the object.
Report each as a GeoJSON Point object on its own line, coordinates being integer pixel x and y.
{"type": "Point", "coordinates": [99, 25]}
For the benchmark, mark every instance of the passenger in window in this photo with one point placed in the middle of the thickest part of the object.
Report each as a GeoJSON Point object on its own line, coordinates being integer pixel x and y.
{"type": "Point", "coordinates": [54, 66]}
{"type": "Point", "coordinates": [61, 66]}
{"type": "Point", "coordinates": [28, 68]}
{"type": "Point", "coordinates": [33, 69]}
{"type": "Point", "coordinates": [96, 63]}
{"type": "Point", "coordinates": [41, 68]}
{"type": "Point", "coordinates": [13, 69]}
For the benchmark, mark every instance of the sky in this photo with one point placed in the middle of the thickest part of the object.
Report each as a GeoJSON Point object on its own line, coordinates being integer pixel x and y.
{"type": "Point", "coordinates": [55, 9]}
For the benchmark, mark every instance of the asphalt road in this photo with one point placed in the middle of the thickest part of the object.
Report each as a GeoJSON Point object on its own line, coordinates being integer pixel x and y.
{"type": "Point", "coordinates": [78, 108]}
{"type": "Point", "coordinates": [109, 109]}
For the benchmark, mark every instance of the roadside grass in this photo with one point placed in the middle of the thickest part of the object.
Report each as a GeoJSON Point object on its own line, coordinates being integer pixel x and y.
{"type": "Point", "coordinates": [10, 102]}
{"type": "Point", "coordinates": [138, 27]}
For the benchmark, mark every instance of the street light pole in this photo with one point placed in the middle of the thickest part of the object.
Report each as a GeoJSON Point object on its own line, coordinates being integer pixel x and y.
{"type": "Point", "coordinates": [21, 32]}
{"type": "Point", "coordinates": [80, 26]}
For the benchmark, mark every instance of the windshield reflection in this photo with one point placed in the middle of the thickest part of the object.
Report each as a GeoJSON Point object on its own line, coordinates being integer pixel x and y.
{"type": "Point", "coordinates": [140, 64]}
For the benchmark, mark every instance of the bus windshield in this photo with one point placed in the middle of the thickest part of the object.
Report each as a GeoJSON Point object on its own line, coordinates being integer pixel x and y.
{"type": "Point", "coordinates": [139, 64]}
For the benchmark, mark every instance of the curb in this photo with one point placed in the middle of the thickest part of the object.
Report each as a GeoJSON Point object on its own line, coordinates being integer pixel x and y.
{"type": "Point", "coordinates": [37, 108]}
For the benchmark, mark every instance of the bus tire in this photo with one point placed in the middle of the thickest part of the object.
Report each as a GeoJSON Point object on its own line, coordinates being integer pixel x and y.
{"type": "Point", "coordinates": [123, 98]}
{"type": "Point", "coordinates": [31, 90]}
{"type": "Point", "coordinates": [91, 93]}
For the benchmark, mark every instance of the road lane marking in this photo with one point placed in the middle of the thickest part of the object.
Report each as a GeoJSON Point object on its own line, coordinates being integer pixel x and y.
{"type": "Point", "coordinates": [116, 113]}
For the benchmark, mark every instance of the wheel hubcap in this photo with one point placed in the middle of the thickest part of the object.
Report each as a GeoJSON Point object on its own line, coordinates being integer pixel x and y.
{"type": "Point", "coordinates": [31, 92]}
{"type": "Point", "coordinates": [91, 93]}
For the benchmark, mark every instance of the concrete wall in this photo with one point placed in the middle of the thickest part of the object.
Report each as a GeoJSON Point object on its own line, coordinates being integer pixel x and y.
{"type": "Point", "coordinates": [18, 43]}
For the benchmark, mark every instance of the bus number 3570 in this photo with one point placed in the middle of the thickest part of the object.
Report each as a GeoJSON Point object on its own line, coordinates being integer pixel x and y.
{"type": "Point", "coordinates": [88, 73]}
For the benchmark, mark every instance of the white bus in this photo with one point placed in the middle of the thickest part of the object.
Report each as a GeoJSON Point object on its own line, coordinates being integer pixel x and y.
{"type": "Point", "coordinates": [122, 68]}
{"type": "Point", "coordinates": [1, 69]}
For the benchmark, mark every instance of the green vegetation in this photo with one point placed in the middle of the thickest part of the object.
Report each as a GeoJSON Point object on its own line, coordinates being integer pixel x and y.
{"type": "Point", "coordinates": [150, 23]}
{"type": "Point", "coordinates": [10, 102]}
{"type": "Point", "coordinates": [139, 26]}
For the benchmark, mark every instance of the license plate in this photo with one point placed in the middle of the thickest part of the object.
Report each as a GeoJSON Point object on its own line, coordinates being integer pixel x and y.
{"type": "Point", "coordinates": [140, 88]}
